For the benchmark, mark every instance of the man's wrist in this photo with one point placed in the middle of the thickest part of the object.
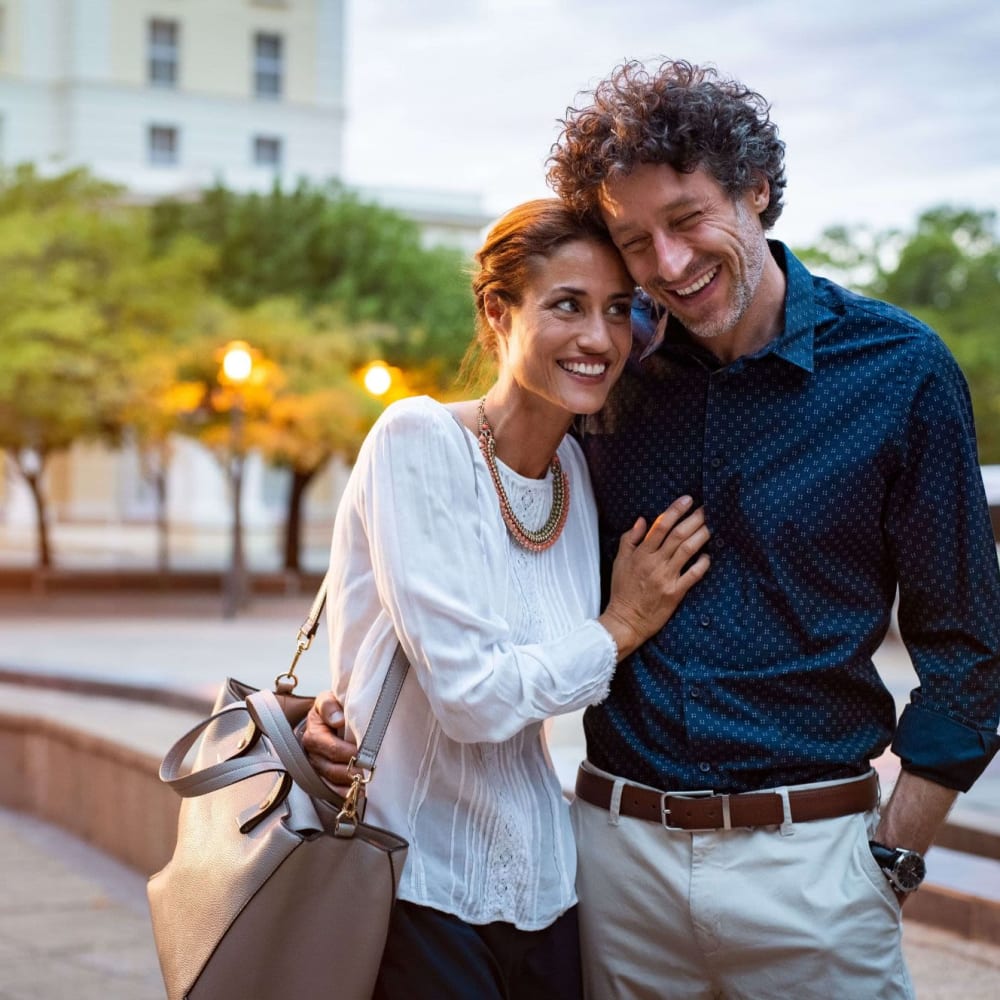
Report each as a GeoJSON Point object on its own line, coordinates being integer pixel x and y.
{"type": "Point", "coordinates": [905, 869]}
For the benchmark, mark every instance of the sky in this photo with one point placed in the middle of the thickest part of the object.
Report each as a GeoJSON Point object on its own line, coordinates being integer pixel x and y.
{"type": "Point", "coordinates": [887, 107]}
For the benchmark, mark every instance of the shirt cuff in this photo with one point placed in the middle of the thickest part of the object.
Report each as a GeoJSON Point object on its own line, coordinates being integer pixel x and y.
{"type": "Point", "coordinates": [936, 747]}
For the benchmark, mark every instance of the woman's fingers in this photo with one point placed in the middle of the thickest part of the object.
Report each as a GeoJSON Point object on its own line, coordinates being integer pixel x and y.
{"type": "Point", "coordinates": [693, 574]}
{"type": "Point", "coordinates": [329, 709]}
{"type": "Point", "coordinates": [667, 522]}
{"type": "Point", "coordinates": [669, 532]}
{"type": "Point", "coordinates": [687, 547]}
{"type": "Point", "coordinates": [328, 753]}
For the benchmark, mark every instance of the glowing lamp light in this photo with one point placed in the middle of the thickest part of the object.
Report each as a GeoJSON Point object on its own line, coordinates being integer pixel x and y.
{"type": "Point", "coordinates": [237, 362]}
{"type": "Point", "coordinates": [378, 379]}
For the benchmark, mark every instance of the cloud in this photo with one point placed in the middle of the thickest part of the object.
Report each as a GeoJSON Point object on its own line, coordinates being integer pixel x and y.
{"type": "Point", "coordinates": [887, 106]}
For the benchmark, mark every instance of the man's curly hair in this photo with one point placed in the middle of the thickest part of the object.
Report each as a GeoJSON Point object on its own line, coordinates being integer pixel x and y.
{"type": "Point", "coordinates": [684, 115]}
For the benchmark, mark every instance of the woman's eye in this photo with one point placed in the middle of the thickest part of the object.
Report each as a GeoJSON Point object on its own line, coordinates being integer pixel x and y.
{"type": "Point", "coordinates": [620, 309]}
{"type": "Point", "coordinates": [566, 305]}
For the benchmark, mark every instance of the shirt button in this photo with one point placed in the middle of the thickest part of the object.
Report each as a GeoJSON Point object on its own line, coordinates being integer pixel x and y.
{"type": "Point", "coordinates": [717, 462]}
{"type": "Point", "coordinates": [695, 692]}
{"type": "Point", "coordinates": [704, 766]}
{"type": "Point", "coordinates": [719, 543]}
{"type": "Point", "coordinates": [705, 621]}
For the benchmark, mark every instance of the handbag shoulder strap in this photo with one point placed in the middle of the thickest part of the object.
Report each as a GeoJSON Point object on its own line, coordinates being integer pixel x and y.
{"type": "Point", "coordinates": [399, 666]}
{"type": "Point", "coordinates": [371, 743]}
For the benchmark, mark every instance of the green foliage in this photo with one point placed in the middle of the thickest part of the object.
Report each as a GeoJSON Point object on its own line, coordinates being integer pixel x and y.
{"type": "Point", "coordinates": [303, 402]}
{"type": "Point", "coordinates": [86, 310]}
{"type": "Point", "coordinates": [83, 302]}
{"type": "Point", "coordinates": [323, 246]}
{"type": "Point", "coordinates": [946, 271]}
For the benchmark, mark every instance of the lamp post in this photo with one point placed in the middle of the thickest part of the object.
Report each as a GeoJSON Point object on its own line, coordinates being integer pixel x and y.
{"type": "Point", "coordinates": [237, 366]}
{"type": "Point", "coordinates": [377, 378]}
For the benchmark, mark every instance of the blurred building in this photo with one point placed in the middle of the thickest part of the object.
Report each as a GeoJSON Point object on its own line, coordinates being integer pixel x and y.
{"type": "Point", "coordinates": [166, 97]}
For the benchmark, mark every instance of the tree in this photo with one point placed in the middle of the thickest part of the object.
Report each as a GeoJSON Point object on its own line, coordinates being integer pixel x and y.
{"type": "Point", "coordinates": [82, 302]}
{"type": "Point", "coordinates": [946, 271]}
{"type": "Point", "coordinates": [322, 245]}
{"type": "Point", "coordinates": [302, 404]}
{"type": "Point", "coordinates": [320, 409]}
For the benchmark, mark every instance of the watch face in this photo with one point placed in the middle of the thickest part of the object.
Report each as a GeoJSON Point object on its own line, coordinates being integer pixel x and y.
{"type": "Point", "coordinates": [909, 871]}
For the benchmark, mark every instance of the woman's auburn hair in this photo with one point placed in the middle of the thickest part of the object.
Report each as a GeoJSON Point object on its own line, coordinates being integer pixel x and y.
{"type": "Point", "coordinates": [506, 262]}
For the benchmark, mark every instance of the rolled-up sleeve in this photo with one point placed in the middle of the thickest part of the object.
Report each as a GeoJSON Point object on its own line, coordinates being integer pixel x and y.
{"type": "Point", "coordinates": [949, 587]}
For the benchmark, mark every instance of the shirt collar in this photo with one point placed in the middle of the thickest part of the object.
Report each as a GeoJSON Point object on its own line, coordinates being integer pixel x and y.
{"type": "Point", "coordinates": [794, 344]}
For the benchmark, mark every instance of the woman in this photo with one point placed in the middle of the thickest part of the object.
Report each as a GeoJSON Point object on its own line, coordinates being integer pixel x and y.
{"type": "Point", "coordinates": [470, 533]}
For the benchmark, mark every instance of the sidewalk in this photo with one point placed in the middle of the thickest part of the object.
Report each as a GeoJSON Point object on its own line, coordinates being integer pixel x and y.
{"type": "Point", "coordinates": [73, 923]}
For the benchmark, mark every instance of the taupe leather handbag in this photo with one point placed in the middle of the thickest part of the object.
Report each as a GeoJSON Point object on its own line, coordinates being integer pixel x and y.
{"type": "Point", "coordinates": [277, 888]}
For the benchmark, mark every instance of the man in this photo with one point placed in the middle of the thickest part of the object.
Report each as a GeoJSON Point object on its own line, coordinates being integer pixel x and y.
{"type": "Point", "coordinates": [724, 813]}
{"type": "Point", "coordinates": [830, 440]}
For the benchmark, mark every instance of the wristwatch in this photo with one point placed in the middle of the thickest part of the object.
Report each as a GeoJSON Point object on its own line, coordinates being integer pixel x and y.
{"type": "Point", "coordinates": [904, 869]}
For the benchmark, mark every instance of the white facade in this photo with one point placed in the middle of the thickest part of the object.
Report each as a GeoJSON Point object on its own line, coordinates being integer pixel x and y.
{"type": "Point", "coordinates": [82, 82]}
{"type": "Point", "coordinates": [167, 97]}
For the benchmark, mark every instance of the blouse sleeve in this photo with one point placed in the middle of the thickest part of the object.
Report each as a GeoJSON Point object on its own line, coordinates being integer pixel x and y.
{"type": "Point", "coordinates": [417, 498]}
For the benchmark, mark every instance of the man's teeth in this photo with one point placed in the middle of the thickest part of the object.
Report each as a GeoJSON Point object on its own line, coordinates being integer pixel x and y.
{"type": "Point", "coordinates": [580, 368]}
{"type": "Point", "coordinates": [697, 285]}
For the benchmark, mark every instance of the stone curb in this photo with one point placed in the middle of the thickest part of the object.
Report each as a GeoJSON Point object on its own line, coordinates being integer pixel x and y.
{"type": "Point", "coordinates": [101, 791]}
{"type": "Point", "coordinates": [110, 795]}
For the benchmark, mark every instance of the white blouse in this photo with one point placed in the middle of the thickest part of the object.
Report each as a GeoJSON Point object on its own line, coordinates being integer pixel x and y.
{"type": "Point", "coordinates": [498, 640]}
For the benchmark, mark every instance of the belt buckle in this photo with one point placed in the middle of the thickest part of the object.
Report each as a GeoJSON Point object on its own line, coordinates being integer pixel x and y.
{"type": "Point", "coordinates": [707, 793]}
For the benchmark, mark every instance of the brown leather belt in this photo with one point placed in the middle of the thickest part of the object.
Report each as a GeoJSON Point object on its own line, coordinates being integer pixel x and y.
{"type": "Point", "coordinates": [706, 811]}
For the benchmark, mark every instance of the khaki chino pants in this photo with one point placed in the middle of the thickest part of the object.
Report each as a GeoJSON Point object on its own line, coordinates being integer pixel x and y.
{"type": "Point", "coordinates": [745, 914]}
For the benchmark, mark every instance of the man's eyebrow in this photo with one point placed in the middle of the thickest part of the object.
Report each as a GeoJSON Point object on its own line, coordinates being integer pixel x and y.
{"type": "Point", "coordinates": [679, 204]}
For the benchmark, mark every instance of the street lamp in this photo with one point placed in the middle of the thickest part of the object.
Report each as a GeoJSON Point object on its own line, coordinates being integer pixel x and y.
{"type": "Point", "coordinates": [377, 378]}
{"type": "Point", "coordinates": [237, 366]}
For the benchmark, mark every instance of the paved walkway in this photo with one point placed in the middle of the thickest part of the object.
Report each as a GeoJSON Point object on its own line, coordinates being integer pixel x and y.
{"type": "Point", "coordinates": [73, 926]}
{"type": "Point", "coordinates": [73, 923]}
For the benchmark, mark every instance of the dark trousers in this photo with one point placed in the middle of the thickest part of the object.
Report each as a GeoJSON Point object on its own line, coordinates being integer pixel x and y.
{"type": "Point", "coordinates": [432, 955]}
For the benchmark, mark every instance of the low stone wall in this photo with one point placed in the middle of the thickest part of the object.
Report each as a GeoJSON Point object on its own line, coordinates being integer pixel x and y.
{"type": "Point", "coordinates": [110, 795]}
{"type": "Point", "coordinates": [102, 792]}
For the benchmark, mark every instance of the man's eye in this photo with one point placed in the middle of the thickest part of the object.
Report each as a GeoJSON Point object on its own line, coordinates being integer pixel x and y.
{"type": "Point", "coordinates": [635, 245]}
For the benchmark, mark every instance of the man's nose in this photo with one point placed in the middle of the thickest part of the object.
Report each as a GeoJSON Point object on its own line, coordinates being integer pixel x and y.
{"type": "Point", "coordinates": [673, 256]}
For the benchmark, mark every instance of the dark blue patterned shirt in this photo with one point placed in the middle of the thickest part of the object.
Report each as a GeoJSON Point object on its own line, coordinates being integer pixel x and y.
{"type": "Point", "coordinates": [836, 462]}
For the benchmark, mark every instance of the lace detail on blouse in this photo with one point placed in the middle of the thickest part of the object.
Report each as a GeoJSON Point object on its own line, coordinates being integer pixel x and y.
{"type": "Point", "coordinates": [531, 501]}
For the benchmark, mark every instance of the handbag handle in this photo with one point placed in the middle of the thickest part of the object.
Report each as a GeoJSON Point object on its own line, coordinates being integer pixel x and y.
{"type": "Point", "coordinates": [267, 715]}
{"type": "Point", "coordinates": [215, 776]}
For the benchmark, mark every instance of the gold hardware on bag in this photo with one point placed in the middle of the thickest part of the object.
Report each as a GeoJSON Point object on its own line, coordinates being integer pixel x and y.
{"type": "Point", "coordinates": [285, 683]}
{"type": "Point", "coordinates": [348, 815]}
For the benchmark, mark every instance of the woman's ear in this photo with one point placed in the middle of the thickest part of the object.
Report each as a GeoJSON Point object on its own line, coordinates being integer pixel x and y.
{"type": "Point", "coordinates": [497, 310]}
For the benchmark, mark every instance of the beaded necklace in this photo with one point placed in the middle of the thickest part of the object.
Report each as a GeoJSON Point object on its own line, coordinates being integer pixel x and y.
{"type": "Point", "coordinates": [548, 533]}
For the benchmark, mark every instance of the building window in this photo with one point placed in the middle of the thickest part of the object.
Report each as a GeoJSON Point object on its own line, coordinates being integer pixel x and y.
{"type": "Point", "coordinates": [164, 145]}
{"type": "Point", "coordinates": [267, 65]}
{"type": "Point", "coordinates": [267, 151]}
{"type": "Point", "coordinates": [163, 45]}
